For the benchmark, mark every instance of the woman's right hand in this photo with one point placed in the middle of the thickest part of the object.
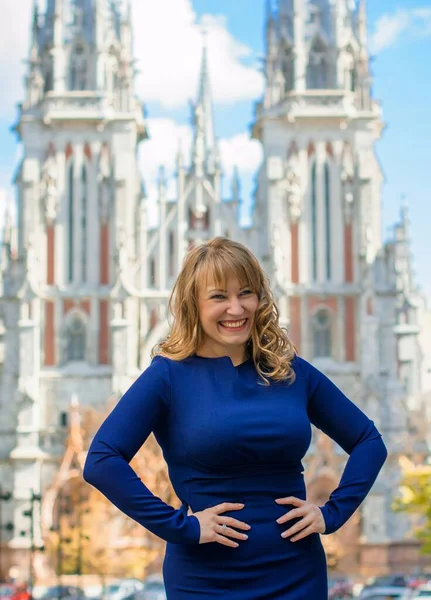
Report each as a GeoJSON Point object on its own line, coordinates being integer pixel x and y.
{"type": "Point", "coordinates": [211, 521]}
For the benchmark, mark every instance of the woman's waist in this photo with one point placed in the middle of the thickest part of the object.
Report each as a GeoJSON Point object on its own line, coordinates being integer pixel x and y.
{"type": "Point", "coordinates": [256, 492]}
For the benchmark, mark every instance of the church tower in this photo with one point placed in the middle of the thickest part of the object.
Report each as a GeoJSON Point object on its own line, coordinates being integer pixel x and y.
{"type": "Point", "coordinates": [318, 201]}
{"type": "Point", "coordinates": [70, 301]}
{"type": "Point", "coordinates": [197, 213]}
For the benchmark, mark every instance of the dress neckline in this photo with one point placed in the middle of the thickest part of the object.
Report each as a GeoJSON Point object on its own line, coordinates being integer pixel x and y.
{"type": "Point", "coordinates": [226, 359]}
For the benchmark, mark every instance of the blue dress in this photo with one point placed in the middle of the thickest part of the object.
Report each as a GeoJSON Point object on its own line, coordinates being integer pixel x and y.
{"type": "Point", "coordinates": [228, 438]}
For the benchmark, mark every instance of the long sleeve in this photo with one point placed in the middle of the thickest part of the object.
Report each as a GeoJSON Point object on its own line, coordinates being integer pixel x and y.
{"type": "Point", "coordinates": [332, 412]}
{"type": "Point", "coordinates": [119, 438]}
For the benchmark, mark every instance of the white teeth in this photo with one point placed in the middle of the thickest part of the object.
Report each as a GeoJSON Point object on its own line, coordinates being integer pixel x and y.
{"type": "Point", "coordinates": [233, 324]}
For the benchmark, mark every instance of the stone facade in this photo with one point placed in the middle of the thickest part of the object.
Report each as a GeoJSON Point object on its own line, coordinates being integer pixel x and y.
{"type": "Point", "coordinates": [85, 280]}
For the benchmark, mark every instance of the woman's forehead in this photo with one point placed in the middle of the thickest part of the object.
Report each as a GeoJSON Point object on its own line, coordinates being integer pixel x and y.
{"type": "Point", "coordinates": [210, 278]}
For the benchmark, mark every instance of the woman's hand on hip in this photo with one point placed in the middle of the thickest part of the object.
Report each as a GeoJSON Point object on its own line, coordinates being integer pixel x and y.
{"type": "Point", "coordinates": [311, 516]}
{"type": "Point", "coordinates": [212, 521]}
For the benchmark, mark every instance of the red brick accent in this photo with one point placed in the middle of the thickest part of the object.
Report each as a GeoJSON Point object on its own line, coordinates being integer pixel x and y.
{"type": "Point", "coordinates": [350, 329]}
{"type": "Point", "coordinates": [311, 149]}
{"type": "Point", "coordinates": [329, 149]}
{"type": "Point", "coordinates": [68, 304]}
{"type": "Point", "coordinates": [85, 305]}
{"type": "Point", "coordinates": [348, 253]}
{"type": "Point", "coordinates": [50, 251]}
{"type": "Point", "coordinates": [104, 332]}
{"type": "Point", "coordinates": [104, 254]}
{"type": "Point", "coordinates": [49, 345]}
{"type": "Point", "coordinates": [69, 151]}
{"type": "Point", "coordinates": [154, 318]}
{"type": "Point", "coordinates": [87, 152]}
{"type": "Point", "coordinates": [295, 321]}
{"type": "Point", "coordinates": [330, 302]}
{"type": "Point", "coordinates": [294, 251]}
{"type": "Point", "coordinates": [293, 149]}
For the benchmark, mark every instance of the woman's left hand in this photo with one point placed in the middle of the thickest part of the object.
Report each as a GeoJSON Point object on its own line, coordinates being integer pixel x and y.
{"type": "Point", "coordinates": [312, 518]}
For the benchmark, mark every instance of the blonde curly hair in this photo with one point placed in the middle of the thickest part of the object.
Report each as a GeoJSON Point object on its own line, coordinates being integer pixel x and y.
{"type": "Point", "coordinates": [269, 345]}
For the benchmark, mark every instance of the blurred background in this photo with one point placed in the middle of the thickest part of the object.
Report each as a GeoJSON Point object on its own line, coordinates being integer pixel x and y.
{"type": "Point", "coordinates": [132, 130]}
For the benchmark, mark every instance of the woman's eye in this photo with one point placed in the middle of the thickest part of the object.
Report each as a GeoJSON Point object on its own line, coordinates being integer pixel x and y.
{"type": "Point", "coordinates": [247, 292]}
{"type": "Point", "coordinates": [217, 297]}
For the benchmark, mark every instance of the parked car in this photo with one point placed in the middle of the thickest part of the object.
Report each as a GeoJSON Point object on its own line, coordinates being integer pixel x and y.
{"type": "Point", "coordinates": [386, 593]}
{"type": "Point", "coordinates": [340, 588]}
{"type": "Point", "coordinates": [63, 592]}
{"type": "Point", "coordinates": [154, 589]}
{"type": "Point", "coordinates": [419, 580]}
{"type": "Point", "coordinates": [422, 592]}
{"type": "Point", "coordinates": [393, 580]}
{"type": "Point", "coordinates": [7, 590]}
{"type": "Point", "coordinates": [123, 588]}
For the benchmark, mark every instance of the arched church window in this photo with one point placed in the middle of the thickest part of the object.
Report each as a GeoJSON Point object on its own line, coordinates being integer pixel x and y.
{"type": "Point", "coordinates": [47, 73]}
{"type": "Point", "coordinates": [171, 253]}
{"type": "Point", "coordinates": [78, 69]}
{"type": "Point", "coordinates": [322, 334]}
{"type": "Point", "coordinates": [288, 69]}
{"type": "Point", "coordinates": [314, 220]}
{"type": "Point", "coordinates": [84, 223]}
{"type": "Point", "coordinates": [350, 71]}
{"type": "Point", "coordinates": [317, 69]}
{"type": "Point", "coordinates": [328, 220]}
{"type": "Point", "coordinates": [152, 272]}
{"type": "Point", "coordinates": [70, 219]}
{"type": "Point", "coordinates": [76, 339]}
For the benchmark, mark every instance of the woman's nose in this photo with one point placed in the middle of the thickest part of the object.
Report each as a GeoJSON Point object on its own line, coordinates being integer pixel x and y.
{"type": "Point", "coordinates": [235, 307]}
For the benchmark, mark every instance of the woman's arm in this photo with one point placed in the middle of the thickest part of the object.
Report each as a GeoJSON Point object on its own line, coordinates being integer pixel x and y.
{"type": "Point", "coordinates": [115, 444]}
{"type": "Point", "coordinates": [332, 412]}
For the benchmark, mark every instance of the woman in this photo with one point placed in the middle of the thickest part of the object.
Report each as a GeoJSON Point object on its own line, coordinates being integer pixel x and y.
{"type": "Point", "coordinates": [231, 405]}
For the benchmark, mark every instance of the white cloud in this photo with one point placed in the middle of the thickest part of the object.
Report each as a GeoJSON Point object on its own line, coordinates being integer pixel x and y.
{"type": "Point", "coordinates": [242, 152]}
{"type": "Point", "coordinates": [168, 48]}
{"type": "Point", "coordinates": [168, 42]}
{"type": "Point", "coordinates": [390, 27]}
{"type": "Point", "coordinates": [14, 45]}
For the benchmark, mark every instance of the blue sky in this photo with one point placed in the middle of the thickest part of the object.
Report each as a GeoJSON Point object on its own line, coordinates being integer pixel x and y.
{"type": "Point", "coordinates": [400, 35]}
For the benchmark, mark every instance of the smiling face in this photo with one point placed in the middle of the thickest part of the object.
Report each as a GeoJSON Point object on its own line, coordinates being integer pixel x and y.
{"type": "Point", "coordinates": [226, 317]}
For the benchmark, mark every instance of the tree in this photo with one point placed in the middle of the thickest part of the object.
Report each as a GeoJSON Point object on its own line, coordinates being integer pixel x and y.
{"type": "Point", "coordinates": [414, 500]}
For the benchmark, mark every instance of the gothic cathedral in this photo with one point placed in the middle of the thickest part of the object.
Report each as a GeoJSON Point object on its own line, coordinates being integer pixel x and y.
{"type": "Point", "coordinates": [85, 281]}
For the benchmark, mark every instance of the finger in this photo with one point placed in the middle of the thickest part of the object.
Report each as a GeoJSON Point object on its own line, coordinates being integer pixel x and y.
{"type": "Point", "coordinates": [298, 527]}
{"type": "Point", "coordinates": [234, 523]}
{"type": "Point", "coordinates": [220, 539]}
{"type": "Point", "coordinates": [228, 532]}
{"type": "Point", "coordinates": [221, 508]}
{"type": "Point", "coordinates": [291, 500]}
{"type": "Point", "coordinates": [304, 533]}
{"type": "Point", "coordinates": [292, 514]}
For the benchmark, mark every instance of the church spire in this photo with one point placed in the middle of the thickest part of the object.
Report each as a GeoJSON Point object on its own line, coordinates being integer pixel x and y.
{"type": "Point", "coordinates": [34, 47]}
{"type": "Point", "coordinates": [205, 155]}
{"type": "Point", "coordinates": [363, 25]}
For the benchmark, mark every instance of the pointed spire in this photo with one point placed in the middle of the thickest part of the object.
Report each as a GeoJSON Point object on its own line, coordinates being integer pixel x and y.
{"type": "Point", "coordinates": [404, 212]}
{"type": "Point", "coordinates": [180, 156]}
{"type": "Point", "coordinates": [204, 142]}
{"type": "Point", "coordinates": [236, 185]}
{"type": "Point", "coordinates": [6, 245]}
{"type": "Point", "coordinates": [162, 184]}
{"type": "Point", "coordinates": [363, 25]}
{"type": "Point", "coordinates": [34, 49]}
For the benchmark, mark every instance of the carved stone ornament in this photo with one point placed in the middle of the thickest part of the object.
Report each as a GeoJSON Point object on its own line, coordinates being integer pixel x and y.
{"type": "Point", "coordinates": [105, 185]}
{"type": "Point", "coordinates": [49, 189]}
{"type": "Point", "coordinates": [292, 185]}
{"type": "Point", "coordinates": [348, 196]}
{"type": "Point", "coordinates": [277, 252]}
